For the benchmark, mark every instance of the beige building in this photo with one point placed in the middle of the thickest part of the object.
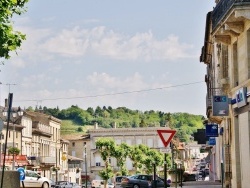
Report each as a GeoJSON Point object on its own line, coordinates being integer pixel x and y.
{"type": "Point", "coordinates": [132, 136]}
{"type": "Point", "coordinates": [79, 156]}
{"type": "Point", "coordinates": [85, 146]}
{"type": "Point", "coordinates": [226, 53]}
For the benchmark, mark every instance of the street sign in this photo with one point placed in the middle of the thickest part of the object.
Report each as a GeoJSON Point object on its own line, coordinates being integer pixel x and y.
{"type": "Point", "coordinates": [220, 106]}
{"type": "Point", "coordinates": [22, 173]}
{"type": "Point", "coordinates": [166, 136]}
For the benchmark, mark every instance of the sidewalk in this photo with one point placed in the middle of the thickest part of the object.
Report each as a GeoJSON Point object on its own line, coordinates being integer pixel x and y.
{"type": "Point", "coordinates": [198, 184]}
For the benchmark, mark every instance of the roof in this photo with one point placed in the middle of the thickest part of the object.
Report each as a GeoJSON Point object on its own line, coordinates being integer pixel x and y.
{"type": "Point", "coordinates": [72, 137]}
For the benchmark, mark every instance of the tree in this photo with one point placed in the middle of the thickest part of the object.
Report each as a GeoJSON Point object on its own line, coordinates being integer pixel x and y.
{"type": "Point", "coordinates": [136, 156]}
{"type": "Point", "coordinates": [106, 147]}
{"type": "Point", "coordinates": [79, 129]}
{"type": "Point", "coordinates": [10, 40]}
{"type": "Point", "coordinates": [121, 153]}
{"type": "Point", "coordinates": [142, 123]}
{"type": "Point", "coordinates": [13, 150]}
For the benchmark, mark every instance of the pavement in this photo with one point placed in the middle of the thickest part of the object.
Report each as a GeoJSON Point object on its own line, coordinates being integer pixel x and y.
{"type": "Point", "coordinates": [198, 184]}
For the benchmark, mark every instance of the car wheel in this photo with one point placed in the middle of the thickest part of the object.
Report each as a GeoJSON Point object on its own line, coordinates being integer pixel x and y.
{"type": "Point", "coordinates": [45, 185]}
{"type": "Point", "coordinates": [136, 186]}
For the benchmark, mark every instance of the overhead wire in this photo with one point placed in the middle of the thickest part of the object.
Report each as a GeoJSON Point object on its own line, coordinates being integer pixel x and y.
{"type": "Point", "coordinates": [110, 94]}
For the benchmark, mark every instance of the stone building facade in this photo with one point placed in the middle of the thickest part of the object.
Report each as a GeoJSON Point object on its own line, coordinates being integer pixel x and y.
{"type": "Point", "coordinates": [226, 54]}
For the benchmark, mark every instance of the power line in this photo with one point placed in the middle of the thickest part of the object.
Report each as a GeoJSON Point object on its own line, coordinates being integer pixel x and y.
{"type": "Point", "coordinates": [110, 94]}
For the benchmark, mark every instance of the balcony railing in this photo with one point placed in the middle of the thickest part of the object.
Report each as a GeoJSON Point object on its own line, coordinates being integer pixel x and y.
{"type": "Point", "coordinates": [223, 7]}
{"type": "Point", "coordinates": [47, 159]}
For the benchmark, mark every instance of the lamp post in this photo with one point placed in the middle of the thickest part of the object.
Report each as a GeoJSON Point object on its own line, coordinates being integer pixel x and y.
{"type": "Point", "coordinates": [6, 137]}
{"type": "Point", "coordinates": [15, 114]}
{"type": "Point", "coordinates": [57, 158]}
{"type": "Point", "coordinates": [85, 157]}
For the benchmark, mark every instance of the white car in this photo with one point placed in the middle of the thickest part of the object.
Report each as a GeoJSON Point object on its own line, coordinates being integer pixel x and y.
{"type": "Point", "coordinates": [33, 179]}
{"type": "Point", "coordinates": [100, 184]}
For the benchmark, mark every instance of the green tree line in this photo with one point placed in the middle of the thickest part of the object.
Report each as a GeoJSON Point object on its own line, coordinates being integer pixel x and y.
{"type": "Point", "coordinates": [185, 123]}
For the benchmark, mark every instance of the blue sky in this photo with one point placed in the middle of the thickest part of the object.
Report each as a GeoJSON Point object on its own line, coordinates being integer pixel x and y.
{"type": "Point", "coordinates": [143, 55]}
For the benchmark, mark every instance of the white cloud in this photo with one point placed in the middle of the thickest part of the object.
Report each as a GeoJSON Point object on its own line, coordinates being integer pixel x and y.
{"type": "Point", "coordinates": [104, 80]}
{"type": "Point", "coordinates": [99, 41]}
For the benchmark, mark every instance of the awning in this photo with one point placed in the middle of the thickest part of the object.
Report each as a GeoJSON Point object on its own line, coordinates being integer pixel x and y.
{"type": "Point", "coordinates": [84, 177]}
{"type": "Point", "coordinates": [20, 160]}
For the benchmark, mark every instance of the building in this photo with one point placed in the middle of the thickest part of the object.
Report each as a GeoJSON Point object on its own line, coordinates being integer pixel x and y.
{"type": "Point", "coordinates": [131, 136]}
{"type": "Point", "coordinates": [79, 155]}
{"type": "Point", "coordinates": [226, 54]}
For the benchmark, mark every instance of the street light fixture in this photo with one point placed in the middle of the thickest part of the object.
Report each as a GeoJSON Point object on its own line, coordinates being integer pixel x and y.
{"type": "Point", "coordinates": [15, 114]}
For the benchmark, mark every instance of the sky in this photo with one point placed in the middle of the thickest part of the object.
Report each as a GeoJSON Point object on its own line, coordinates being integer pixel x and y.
{"type": "Point", "coordinates": [143, 55]}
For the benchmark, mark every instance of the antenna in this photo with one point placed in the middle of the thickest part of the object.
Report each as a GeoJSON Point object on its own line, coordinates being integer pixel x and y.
{"type": "Point", "coordinates": [8, 84]}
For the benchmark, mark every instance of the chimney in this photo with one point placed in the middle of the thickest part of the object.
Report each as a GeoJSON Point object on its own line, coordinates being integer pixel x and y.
{"type": "Point", "coordinates": [114, 125]}
{"type": "Point", "coordinates": [96, 125]}
{"type": "Point", "coordinates": [6, 103]}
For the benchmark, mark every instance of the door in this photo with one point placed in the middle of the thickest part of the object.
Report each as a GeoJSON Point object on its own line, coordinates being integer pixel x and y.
{"type": "Point", "coordinates": [32, 179]}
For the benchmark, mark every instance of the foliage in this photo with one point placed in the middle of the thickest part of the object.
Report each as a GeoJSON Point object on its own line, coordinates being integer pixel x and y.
{"type": "Point", "coordinates": [121, 152]}
{"type": "Point", "coordinates": [143, 158]}
{"type": "Point", "coordinates": [13, 150]}
{"type": "Point", "coordinates": [106, 147]}
{"type": "Point", "coordinates": [10, 40]}
{"type": "Point", "coordinates": [185, 123]}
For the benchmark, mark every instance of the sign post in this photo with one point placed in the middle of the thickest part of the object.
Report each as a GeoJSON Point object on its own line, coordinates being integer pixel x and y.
{"type": "Point", "coordinates": [22, 174]}
{"type": "Point", "coordinates": [166, 136]}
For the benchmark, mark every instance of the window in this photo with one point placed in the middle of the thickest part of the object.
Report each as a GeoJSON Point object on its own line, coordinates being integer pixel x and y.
{"type": "Point", "coordinates": [138, 141]}
{"type": "Point", "coordinates": [128, 141]}
{"type": "Point", "coordinates": [97, 160]}
{"type": "Point", "coordinates": [150, 142]}
{"type": "Point", "coordinates": [235, 66]}
{"type": "Point", "coordinates": [73, 144]}
{"type": "Point", "coordinates": [224, 61]}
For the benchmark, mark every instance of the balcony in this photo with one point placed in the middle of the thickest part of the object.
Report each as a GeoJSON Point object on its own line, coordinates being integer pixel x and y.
{"type": "Point", "coordinates": [224, 9]}
{"type": "Point", "coordinates": [41, 129]}
{"type": "Point", "coordinates": [48, 160]}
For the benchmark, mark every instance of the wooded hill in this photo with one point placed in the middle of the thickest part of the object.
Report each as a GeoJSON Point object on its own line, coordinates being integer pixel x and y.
{"type": "Point", "coordinates": [76, 120]}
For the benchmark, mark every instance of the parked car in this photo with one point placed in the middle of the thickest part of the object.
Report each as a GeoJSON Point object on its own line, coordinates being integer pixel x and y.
{"type": "Point", "coordinates": [75, 185]}
{"type": "Point", "coordinates": [189, 177]}
{"type": "Point", "coordinates": [141, 181]}
{"type": "Point", "coordinates": [118, 181]}
{"type": "Point", "coordinates": [52, 183]}
{"type": "Point", "coordinates": [100, 184]}
{"type": "Point", "coordinates": [88, 185]}
{"type": "Point", "coordinates": [63, 184]}
{"type": "Point", "coordinates": [34, 179]}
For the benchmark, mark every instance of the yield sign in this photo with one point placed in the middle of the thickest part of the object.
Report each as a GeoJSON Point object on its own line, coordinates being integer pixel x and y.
{"type": "Point", "coordinates": [166, 136]}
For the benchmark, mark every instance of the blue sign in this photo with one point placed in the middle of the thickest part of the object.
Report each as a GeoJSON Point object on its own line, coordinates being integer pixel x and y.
{"type": "Point", "coordinates": [220, 106]}
{"type": "Point", "coordinates": [22, 173]}
{"type": "Point", "coordinates": [212, 141]}
{"type": "Point", "coordinates": [212, 130]}
{"type": "Point", "coordinates": [241, 97]}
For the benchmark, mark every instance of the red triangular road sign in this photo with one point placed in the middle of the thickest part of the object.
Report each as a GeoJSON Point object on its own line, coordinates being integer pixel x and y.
{"type": "Point", "coordinates": [166, 136]}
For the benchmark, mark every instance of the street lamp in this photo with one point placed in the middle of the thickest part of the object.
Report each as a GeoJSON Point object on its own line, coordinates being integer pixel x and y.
{"type": "Point", "coordinates": [15, 114]}
{"type": "Point", "coordinates": [57, 157]}
{"type": "Point", "coordinates": [10, 98]}
{"type": "Point", "coordinates": [85, 157]}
